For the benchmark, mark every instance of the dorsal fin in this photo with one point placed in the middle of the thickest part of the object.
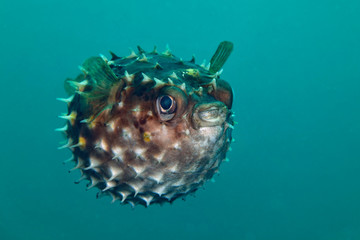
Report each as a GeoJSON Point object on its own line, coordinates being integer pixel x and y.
{"type": "Point", "coordinates": [221, 55]}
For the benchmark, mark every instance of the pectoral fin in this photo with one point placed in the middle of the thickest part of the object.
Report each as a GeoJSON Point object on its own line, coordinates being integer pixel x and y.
{"type": "Point", "coordinates": [221, 55]}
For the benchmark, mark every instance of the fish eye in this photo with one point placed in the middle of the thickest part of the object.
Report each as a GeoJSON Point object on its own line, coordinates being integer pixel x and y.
{"type": "Point", "coordinates": [170, 104]}
{"type": "Point", "coordinates": [166, 106]}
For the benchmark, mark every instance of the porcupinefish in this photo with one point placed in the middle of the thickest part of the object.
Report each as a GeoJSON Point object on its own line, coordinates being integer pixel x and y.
{"type": "Point", "coordinates": [149, 127]}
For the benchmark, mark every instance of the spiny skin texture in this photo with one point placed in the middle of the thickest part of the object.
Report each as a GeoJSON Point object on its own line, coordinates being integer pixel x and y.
{"type": "Point", "coordinates": [147, 128]}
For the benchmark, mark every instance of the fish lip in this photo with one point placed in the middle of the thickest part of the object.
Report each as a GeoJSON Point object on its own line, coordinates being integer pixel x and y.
{"type": "Point", "coordinates": [209, 114]}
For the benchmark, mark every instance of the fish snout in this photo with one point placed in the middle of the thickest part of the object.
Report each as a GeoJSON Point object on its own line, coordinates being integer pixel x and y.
{"type": "Point", "coordinates": [209, 114]}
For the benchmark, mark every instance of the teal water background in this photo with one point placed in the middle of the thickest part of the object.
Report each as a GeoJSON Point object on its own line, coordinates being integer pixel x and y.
{"type": "Point", "coordinates": [294, 171]}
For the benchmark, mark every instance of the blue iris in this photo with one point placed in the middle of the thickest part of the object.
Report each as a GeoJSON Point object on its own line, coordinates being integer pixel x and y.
{"type": "Point", "coordinates": [166, 102]}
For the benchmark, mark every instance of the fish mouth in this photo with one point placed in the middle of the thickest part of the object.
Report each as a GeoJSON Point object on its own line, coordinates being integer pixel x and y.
{"type": "Point", "coordinates": [209, 114]}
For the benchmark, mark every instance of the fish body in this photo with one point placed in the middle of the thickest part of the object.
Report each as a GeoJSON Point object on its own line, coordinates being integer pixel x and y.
{"type": "Point", "coordinates": [149, 127]}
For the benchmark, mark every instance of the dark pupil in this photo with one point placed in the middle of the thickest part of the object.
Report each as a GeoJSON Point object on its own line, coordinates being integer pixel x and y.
{"type": "Point", "coordinates": [166, 102]}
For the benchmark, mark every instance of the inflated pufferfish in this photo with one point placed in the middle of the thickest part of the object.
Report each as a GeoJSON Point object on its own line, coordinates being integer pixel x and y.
{"type": "Point", "coordinates": [150, 127]}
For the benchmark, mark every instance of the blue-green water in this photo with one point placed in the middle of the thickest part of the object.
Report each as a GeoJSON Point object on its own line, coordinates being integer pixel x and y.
{"type": "Point", "coordinates": [294, 171]}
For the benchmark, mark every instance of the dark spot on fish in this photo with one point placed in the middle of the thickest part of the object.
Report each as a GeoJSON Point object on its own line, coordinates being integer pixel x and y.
{"type": "Point", "coordinates": [141, 130]}
{"type": "Point", "coordinates": [142, 120]}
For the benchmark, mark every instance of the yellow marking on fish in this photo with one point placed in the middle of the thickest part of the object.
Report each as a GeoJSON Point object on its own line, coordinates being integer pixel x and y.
{"type": "Point", "coordinates": [192, 72]}
{"type": "Point", "coordinates": [72, 117]}
{"type": "Point", "coordinates": [147, 136]}
{"type": "Point", "coordinates": [82, 142]}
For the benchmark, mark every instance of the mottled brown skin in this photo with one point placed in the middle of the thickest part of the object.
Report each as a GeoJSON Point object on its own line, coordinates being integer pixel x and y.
{"type": "Point", "coordinates": [130, 150]}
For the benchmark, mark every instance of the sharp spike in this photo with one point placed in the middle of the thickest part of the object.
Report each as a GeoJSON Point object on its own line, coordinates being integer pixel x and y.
{"type": "Point", "coordinates": [208, 66]}
{"type": "Point", "coordinates": [147, 199]}
{"type": "Point", "coordinates": [93, 182]}
{"type": "Point", "coordinates": [191, 92]}
{"type": "Point", "coordinates": [146, 79]}
{"type": "Point", "coordinates": [178, 183]}
{"type": "Point", "coordinates": [82, 93]}
{"type": "Point", "coordinates": [158, 66]}
{"type": "Point", "coordinates": [138, 169]}
{"type": "Point", "coordinates": [169, 196]}
{"type": "Point", "coordinates": [174, 168]}
{"type": "Point", "coordinates": [137, 187]}
{"type": "Point", "coordinates": [132, 54]}
{"type": "Point", "coordinates": [170, 81]}
{"type": "Point", "coordinates": [143, 58]}
{"type": "Point", "coordinates": [218, 73]}
{"type": "Point", "coordinates": [99, 195]}
{"type": "Point", "coordinates": [68, 160]}
{"type": "Point", "coordinates": [85, 121]}
{"type": "Point", "coordinates": [71, 117]}
{"type": "Point", "coordinates": [155, 50]}
{"type": "Point", "coordinates": [199, 91]}
{"type": "Point", "coordinates": [203, 64]}
{"type": "Point", "coordinates": [158, 83]}
{"type": "Point", "coordinates": [131, 203]}
{"type": "Point", "coordinates": [167, 52]}
{"type": "Point", "coordinates": [67, 145]}
{"type": "Point", "coordinates": [129, 78]}
{"type": "Point", "coordinates": [104, 58]}
{"type": "Point", "coordinates": [114, 171]}
{"type": "Point", "coordinates": [79, 164]}
{"type": "Point", "coordinates": [78, 85]}
{"type": "Point", "coordinates": [118, 154]}
{"type": "Point", "coordinates": [157, 177]}
{"type": "Point", "coordinates": [160, 190]}
{"type": "Point", "coordinates": [173, 75]}
{"type": "Point", "coordinates": [230, 125]}
{"type": "Point", "coordinates": [213, 83]}
{"type": "Point", "coordinates": [113, 56]}
{"type": "Point", "coordinates": [141, 51]}
{"type": "Point", "coordinates": [109, 185]}
{"type": "Point", "coordinates": [183, 87]}
{"type": "Point", "coordinates": [63, 129]}
{"type": "Point", "coordinates": [124, 195]}
{"type": "Point", "coordinates": [80, 179]}
{"type": "Point", "coordinates": [114, 197]}
{"type": "Point", "coordinates": [66, 100]}
{"type": "Point", "coordinates": [192, 59]}
{"type": "Point", "coordinates": [81, 143]}
{"type": "Point", "coordinates": [93, 163]}
{"type": "Point", "coordinates": [83, 70]}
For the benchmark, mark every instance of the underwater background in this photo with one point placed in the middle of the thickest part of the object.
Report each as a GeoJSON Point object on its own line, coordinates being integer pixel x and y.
{"type": "Point", "coordinates": [294, 170]}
